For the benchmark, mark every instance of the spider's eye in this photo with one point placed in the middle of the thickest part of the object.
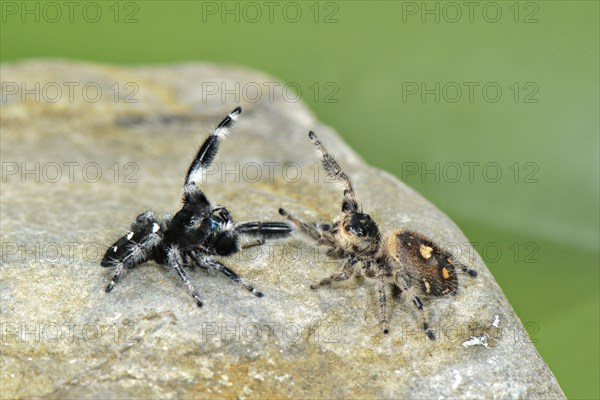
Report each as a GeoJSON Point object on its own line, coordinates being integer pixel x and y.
{"type": "Point", "coordinates": [192, 221]}
{"type": "Point", "coordinates": [215, 223]}
{"type": "Point", "coordinates": [356, 230]}
{"type": "Point", "coordinates": [361, 225]}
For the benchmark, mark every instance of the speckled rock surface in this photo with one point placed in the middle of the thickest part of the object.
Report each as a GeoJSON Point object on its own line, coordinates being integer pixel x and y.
{"type": "Point", "coordinates": [78, 166]}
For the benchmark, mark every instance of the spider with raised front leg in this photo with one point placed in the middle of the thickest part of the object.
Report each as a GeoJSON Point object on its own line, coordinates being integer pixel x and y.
{"type": "Point", "coordinates": [195, 233]}
{"type": "Point", "coordinates": [404, 259]}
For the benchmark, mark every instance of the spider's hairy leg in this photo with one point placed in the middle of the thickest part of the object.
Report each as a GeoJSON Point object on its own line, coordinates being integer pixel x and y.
{"type": "Point", "coordinates": [336, 173]}
{"type": "Point", "coordinates": [133, 248]}
{"type": "Point", "coordinates": [310, 230]}
{"type": "Point", "coordinates": [212, 265]}
{"type": "Point", "coordinates": [414, 302]}
{"type": "Point", "coordinates": [383, 318]}
{"type": "Point", "coordinates": [347, 270]}
{"type": "Point", "coordinates": [323, 227]}
{"type": "Point", "coordinates": [175, 259]}
{"type": "Point", "coordinates": [209, 148]}
{"type": "Point", "coordinates": [115, 278]}
{"type": "Point", "coordinates": [264, 231]}
{"type": "Point", "coordinates": [468, 271]}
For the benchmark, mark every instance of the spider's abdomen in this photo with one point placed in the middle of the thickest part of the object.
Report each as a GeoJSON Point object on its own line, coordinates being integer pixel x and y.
{"type": "Point", "coordinates": [426, 263]}
{"type": "Point", "coordinates": [114, 253]}
{"type": "Point", "coordinates": [132, 248]}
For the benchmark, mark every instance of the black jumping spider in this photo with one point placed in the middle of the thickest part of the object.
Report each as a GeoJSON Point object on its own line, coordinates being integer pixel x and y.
{"type": "Point", "coordinates": [407, 260]}
{"type": "Point", "coordinates": [195, 233]}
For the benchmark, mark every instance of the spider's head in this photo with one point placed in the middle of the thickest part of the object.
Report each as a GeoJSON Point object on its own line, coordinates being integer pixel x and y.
{"type": "Point", "coordinates": [361, 225]}
{"type": "Point", "coordinates": [189, 228]}
{"type": "Point", "coordinates": [360, 231]}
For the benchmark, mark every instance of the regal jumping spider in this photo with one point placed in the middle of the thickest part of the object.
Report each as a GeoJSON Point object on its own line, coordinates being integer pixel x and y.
{"type": "Point", "coordinates": [404, 259]}
{"type": "Point", "coordinates": [195, 233]}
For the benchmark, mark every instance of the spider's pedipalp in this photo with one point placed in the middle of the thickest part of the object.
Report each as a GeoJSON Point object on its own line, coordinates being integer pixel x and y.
{"type": "Point", "coordinates": [207, 152]}
{"type": "Point", "coordinates": [337, 174]}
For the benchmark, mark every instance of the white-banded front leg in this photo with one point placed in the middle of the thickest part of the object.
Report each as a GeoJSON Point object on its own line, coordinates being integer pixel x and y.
{"type": "Point", "coordinates": [209, 148]}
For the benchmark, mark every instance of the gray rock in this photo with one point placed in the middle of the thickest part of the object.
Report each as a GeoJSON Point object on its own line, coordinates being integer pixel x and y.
{"type": "Point", "coordinates": [64, 337]}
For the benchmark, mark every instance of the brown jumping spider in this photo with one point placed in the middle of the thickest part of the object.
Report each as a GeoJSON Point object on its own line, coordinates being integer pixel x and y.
{"type": "Point", "coordinates": [404, 259]}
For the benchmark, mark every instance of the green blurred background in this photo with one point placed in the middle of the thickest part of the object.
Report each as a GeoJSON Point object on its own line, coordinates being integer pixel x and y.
{"type": "Point", "coordinates": [361, 66]}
